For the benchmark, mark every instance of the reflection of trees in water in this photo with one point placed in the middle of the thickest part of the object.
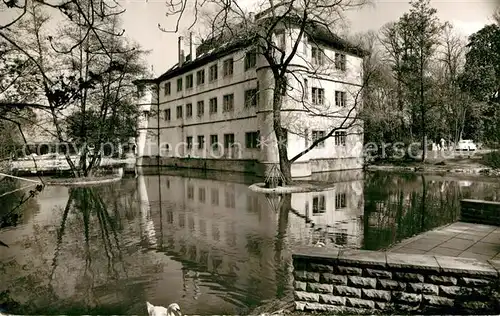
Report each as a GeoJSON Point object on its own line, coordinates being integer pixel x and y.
{"type": "Point", "coordinates": [283, 256]}
{"type": "Point", "coordinates": [94, 267]}
{"type": "Point", "coordinates": [15, 201]}
{"type": "Point", "coordinates": [398, 206]}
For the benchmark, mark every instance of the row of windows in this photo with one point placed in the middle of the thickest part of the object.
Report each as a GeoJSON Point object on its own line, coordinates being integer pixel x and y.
{"type": "Point", "coordinates": [213, 106]}
{"type": "Point", "coordinates": [252, 140]}
{"type": "Point", "coordinates": [213, 73]}
{"type": "Point", "coordinates": [252, 200]}
{"type": "Point", "coordinates": [319, 204]}
{"type": "Point", "coordinates": [318, 97]}
{"type": "Point", "coordinates": [251, 99]}
{"type": "Point", "coordinates": [317, 54]}
{"type": "Point", "coordinates": [229, 196]}
{"type": "Point", "coordinates": [318, 58]}
{"type": "Point", "coordinates": [339, 136]}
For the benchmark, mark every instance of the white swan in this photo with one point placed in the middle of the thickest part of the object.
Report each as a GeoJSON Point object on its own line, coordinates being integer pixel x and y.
{"type": "Point", "coordinates": [172, 310]}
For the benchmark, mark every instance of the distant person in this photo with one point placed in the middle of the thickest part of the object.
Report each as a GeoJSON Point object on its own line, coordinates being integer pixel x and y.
{"type": "Point", "coordinates": [443, 143]}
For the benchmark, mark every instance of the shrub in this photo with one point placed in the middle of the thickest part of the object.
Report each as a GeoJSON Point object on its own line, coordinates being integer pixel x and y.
{"type": "Point", "coordinates": [492, 159]}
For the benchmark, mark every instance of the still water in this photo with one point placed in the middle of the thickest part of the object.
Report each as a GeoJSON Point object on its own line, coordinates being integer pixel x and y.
{"type": "Point", "coordinates": [203, 241]}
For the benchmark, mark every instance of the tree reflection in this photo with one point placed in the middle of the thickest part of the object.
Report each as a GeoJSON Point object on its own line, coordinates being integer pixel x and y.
{"type": "Point", "coordinates": [16, 201]}
{"type": "Point", "coordinates": [401, 206]}
{"type": "Point", "coordinates": [88, 263]}
{"type": "Point", "coordinates": [282, 258]}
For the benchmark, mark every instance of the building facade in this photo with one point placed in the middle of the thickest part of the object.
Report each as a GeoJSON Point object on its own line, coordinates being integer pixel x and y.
{"type": "Point", "coordinates": [214, 109]}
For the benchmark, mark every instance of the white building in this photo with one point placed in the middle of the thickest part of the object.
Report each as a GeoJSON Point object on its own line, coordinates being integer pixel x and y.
{"type": "Point", "coordinates": [213, 109]}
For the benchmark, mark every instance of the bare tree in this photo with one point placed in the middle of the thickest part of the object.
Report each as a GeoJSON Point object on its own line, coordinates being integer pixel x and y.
{"type": "Point", "coordinates": [82, 73]}
{"type": "Point", "coordinates": [278, 34]}
{"type": "Point", "coordinates": [452, 59]}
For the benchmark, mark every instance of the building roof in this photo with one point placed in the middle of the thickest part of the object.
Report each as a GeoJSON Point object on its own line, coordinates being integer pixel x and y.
{"type": "Point", "coordinates": [218, 47]}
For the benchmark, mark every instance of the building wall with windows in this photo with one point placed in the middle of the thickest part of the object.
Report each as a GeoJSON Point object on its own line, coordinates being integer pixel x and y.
{"type": "Point", "coordinates": [218, 109]}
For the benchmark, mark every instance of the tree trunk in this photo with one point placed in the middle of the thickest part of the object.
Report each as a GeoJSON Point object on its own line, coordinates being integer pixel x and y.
{"type": "Point", "coordinates": [422, 108]}
{"type": "Point", "coordinates": [280, 132]}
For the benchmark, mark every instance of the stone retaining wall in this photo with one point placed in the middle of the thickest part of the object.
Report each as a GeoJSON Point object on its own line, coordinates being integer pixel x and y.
{"type": "Point", "coordinates": [358, 281]}
{"type": "Point", "coordinates": [480, 212]}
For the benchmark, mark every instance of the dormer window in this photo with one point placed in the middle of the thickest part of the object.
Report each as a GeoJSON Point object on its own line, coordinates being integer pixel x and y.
{"type": "Point", "coordinates": [340, 61]}
{"type": "Point", "coordinates": [228, 67]}
{"type": "Point", "coordinates": [167, 88]}
{"type": "Point", "coordinates": [189, 81]}
{"type": "Point", "coordinates": [280, 40]}
{"type": "Point", "coordinates": [250, 59]}
{"type": "Point", "coordinates": [179, 85]}
{"type": "Point", "coordinates": [318, 56]}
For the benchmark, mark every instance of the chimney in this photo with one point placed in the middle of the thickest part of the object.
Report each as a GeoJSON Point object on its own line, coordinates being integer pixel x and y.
{"type": "Point", "coordinates": [181, 50]}
{"type": "Point", "coordinates": [192, 49]}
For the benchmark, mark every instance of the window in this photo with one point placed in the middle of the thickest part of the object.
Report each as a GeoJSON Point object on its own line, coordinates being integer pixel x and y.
{"type": "Point", "coordinates": [341, 237]}
{"type": "Point", "coordinates": [189, 110]}
{"type": "Point", "coordinates": [228, 140]}
{"type": "Point", "coordinates": [214, 142]}
{"type": "Point", "coordinates": [318, 135]}
{"type": "Point", "coordinates": [228, 103]}
{"type": "Point", "coordinates": [212, 104]}
{"type": "Point", "coordinates": [189, 81]}
{"type": "Point", "coordinates": [215, 196]}
{"type": "Point", "coordinates": [228, 67]}
{"type": "Point", "coordinates": [252, 139]}
{"type": "Point", "coordinates": [318, 56]}
{"type": "Point", "coordinates": [166, 88]}
{"type": "Point", "coordinates": [280, 40]}
{"type": "Point", "coordinates": [190, 192]}
{"type": "Point", "coordinates": [201, 194]}
{"type": "Point", "coordinates": [251, 98]}
{"type": "Point", "coordinates": [318, 95]}
{"type": "Point", "coordinates": [201, 142]}
{"type": "Point", "coordinates": [230, 199]}
{"type": "Point", "coordinates": [340, 98]}
{"type": "Point", "coordinates": [189, 141]}
{"type": "Point", "coordinates": [216, 237]}
{"type": "Point", "coordinates": [340, 201]}
{"type": "Point", "coordinates": [212, 73]}
{"type": "Point", "coordinates": [200, 108]}
{"type": "Point", "coordinates": [319, 204]}
{"type": "Point", "coordinates": [179, 84]}
{"type": "Point", "coordinates": [340, 61]}
{"type": "Point", "coordinates": [250, 59]}
{"type": "Point", "coordinates": [179, 111]}
{"type": "Point", "coordinates": [200, 77]}
{"type": "Point", "coordinates": [167, 115]}
{"type": "Point", "coordinates": [340, 138]}
{"type": "Point", "coordinates": [306, 89]}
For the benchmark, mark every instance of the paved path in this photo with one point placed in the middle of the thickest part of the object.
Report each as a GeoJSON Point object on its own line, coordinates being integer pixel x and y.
{"type": "Point", "coordinates": [459, 239]}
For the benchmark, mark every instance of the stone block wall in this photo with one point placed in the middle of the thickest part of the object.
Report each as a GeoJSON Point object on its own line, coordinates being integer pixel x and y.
{"type": "Point", "coordinates": [358, 281]}
{"type": "Point", "coordinates": [480, 212]}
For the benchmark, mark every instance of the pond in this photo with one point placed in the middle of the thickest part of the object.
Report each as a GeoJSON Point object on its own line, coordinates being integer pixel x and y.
{"type": "Point", "coordinates": [201, 240]}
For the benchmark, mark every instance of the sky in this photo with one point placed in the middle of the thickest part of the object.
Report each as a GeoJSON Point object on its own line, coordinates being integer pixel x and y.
{"type": "Point", "coordinates": [142, 18]}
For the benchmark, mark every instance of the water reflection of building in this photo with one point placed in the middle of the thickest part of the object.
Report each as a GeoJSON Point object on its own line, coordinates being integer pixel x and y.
{"type": "Point", "coordinates": [333, 217]}
{"type": "Point", "coordinates": [228, 230]}
{"type": "Point", "coordinates": [221, 226]}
